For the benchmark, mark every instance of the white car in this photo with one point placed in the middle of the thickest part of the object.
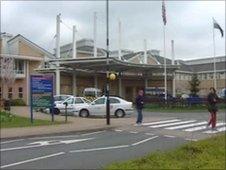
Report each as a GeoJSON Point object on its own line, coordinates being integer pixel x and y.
{"type": "Point", "coordinates": [73, 103]}
{"type": "Point", "coordinates": [118, 107]}
{"type": "Point", "coordinates": [60, 98]}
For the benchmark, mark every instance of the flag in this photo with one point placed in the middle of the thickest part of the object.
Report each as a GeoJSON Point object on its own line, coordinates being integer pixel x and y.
{"type": "Point", "coordinates": [217, 26]}
{"type": "Point", "coordinates": [164, 12]}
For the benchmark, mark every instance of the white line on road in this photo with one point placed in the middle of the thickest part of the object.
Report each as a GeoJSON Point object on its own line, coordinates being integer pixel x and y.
{"type": "Point", "coordinates": [186, 126]}
{"type": "Point", "coordinates": [169, 136]}
{"type": "Point", "coordinates": [133, 132]}
{"type": "Point", "coordinates": [201, 127]}
{"type": "Point", "coordinates": [160, 122]}
{"type": "Point", "coordinates": [189, 139]}
{"type": "Point", "coordinates": [118, 130]}
{"type": "Point", "coordinates": [149, 134]}
{"type": "Point", "coordinates": [45, 143]}
{"type": "Point", "coordinates": [145, 140]}
{"type": "Point", "coordinates": [10, 141]}
{"type": "Point", "coordinates": [216, 131]}
{"type": "Point", "coordinates": [99, 149]}
{"type": "Point", "coordinates": [67, 136]}
{"type": "Point", "coordinates": [31, 160]}
{"type": "Point", "coordinates": [92, 133]}
{"type": "Point", "coordinates": [172, 124]}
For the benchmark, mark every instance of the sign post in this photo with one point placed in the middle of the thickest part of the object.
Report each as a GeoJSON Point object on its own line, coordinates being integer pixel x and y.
{"type": "Point", "coordinates": [41, 91]}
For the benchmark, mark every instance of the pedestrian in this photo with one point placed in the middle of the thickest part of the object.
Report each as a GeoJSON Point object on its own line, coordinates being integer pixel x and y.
{"type": "Point", "coordinates": [139, 107]}
{"type": "Point", "coordinates": [212, 100]}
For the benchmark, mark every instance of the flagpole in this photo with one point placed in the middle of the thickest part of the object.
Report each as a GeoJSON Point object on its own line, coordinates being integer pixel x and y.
{"type": "Point", "coordinates": [164, 55]}
{"type": "Point", "coordinates": [214, 60]}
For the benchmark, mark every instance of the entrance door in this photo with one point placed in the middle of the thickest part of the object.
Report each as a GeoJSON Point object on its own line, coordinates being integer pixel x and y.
{"type": "Point", "coordinates": [129, 93]}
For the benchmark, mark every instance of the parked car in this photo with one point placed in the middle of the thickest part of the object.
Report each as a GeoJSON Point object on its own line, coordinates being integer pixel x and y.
{"type": "Point", "coordinates": [73, 103]}
{"type": "Point", "coordinates": [118, 107]}
{"type": "Point", "coordinates": [60, 98]}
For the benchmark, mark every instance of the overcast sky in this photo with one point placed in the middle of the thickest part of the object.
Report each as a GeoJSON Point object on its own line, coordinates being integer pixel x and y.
{"type": "Point", "coordinates": [189, 24]}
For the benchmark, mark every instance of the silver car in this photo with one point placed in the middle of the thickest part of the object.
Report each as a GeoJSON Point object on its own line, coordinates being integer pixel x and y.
{"type": "Point", "coordinates": [118, 107]}
{"type": "Point", "coordinates": [73, 103]}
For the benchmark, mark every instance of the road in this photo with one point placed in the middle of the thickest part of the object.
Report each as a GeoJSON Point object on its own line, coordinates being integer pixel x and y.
{"type": "Point", "coordinates": [94, 150]}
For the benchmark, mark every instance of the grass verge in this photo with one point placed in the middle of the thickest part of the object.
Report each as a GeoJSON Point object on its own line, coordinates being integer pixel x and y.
{"type": "Point", "coordinates": [9, 121]}
{"type": "Point", "coordinates": [204, 154]}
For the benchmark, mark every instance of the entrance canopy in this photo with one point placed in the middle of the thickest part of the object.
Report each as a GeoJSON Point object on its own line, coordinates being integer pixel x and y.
{"type": "Point", "coordinates": [99, 64]}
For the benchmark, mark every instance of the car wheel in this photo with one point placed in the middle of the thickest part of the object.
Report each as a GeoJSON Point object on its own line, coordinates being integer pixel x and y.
{"type": "Point", "coordinates": [56, 111]}
{"type": "Point", "coordinates": [84, 113]}
{"type": "Point", "coordinates": [119, 113]}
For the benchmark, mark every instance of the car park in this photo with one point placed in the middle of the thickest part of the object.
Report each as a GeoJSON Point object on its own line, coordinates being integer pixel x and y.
{"type": "Point", "coordinates": [118, 107]}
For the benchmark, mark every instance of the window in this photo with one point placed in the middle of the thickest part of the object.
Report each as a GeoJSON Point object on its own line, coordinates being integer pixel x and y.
{"type": "Point", "coordinates": [70, 101]}
{"type": "Point", "coordinates": [19, 66]}
{"type": "Point", "coordinates": [100, 101]}
{"type": "Point", "coordinates": [10, 93]}
{"type": "Point", "coordinates": [113, 100]}
{"type": "Point", "coordinates": [20, 92]}
{"type": "Point", "coordinates": [78, 101]}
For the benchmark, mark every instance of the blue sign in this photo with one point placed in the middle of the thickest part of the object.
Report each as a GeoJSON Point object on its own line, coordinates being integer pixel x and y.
{"type": "Point", "coordinates": [41, 92]}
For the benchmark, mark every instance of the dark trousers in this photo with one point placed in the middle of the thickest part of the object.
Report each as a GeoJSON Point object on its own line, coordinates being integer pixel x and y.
{"type": "Point", "coordinates": [213, 119]}
{"type": "Point", "coordinates": [139, 116]}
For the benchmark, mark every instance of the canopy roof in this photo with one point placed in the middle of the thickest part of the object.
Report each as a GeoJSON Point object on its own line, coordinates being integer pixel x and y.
{"type": "Point", "coordinates": [99, 64]}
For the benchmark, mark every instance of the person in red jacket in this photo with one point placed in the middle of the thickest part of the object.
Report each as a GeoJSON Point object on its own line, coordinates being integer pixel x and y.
{"type": "Point", "coordinates": [212, 107]}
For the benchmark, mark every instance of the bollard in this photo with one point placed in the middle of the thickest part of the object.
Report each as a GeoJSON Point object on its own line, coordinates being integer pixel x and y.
{"type": "Point", "coordinates": [66, 104]}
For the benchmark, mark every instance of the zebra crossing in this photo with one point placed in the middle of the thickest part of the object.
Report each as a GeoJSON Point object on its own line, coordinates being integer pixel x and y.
{"type": "Point", "coordinates": [186, 125]}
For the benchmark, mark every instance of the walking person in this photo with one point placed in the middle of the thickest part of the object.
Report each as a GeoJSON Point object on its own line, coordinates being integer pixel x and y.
{"type": "Point", "coordinates": [212, 108]}
{"type": "Point", "coordinates": [139, 106]}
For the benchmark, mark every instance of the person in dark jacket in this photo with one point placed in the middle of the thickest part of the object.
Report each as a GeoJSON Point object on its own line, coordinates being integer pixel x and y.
{"type": "Point", "coordinates": [212, 107]}
{"type": "Point", "coordinates": [139, 106]}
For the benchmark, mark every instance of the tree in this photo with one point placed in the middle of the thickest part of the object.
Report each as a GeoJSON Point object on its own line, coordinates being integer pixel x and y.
{"type": "Point", "coordinates": [194, 85]}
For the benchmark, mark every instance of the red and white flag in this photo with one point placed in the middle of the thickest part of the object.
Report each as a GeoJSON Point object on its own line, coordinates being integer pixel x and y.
{"type": "Point", "coordinates": [163, 12]}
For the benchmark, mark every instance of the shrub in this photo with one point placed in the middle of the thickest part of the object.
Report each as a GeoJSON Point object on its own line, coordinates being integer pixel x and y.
{"type": "Point", "coordinates": [18, 102]}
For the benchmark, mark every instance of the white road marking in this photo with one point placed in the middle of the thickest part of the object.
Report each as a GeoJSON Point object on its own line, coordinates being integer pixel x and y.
{"type": "Point", "coordinates": [92, 133]}
{"type": "Point", "coordinates": [133, 132]}
{"type": "Point", "coordinates": [31, 160]}
{"type": "Point", "coordinates": [216, 131]}
{"type": "Point", "coordinates": [99, 149]}
{"type": "Point", "coordinates": [145, 140]}
{"type": "Point", "coordinates": [185, 126]}
{"type": "Point", "coordinates": [201, 127]}
{"type": "Point", "coordinates": [149, 134]}
{"type": "Point", "coordinates": [67, 136]}
{"type": "Point", "coordinates": [45, 143]}
{"type": "Point", "coordinates": [169, 136]}
{"type": "Point", "coordinates": [10, 141]}
{"type": "Point", "coordinates": [160, 122]}
{"type": "Point", "coordinates": [172, 124]}
{"type": "Point", "coordinates": [189, 139]}
{"type": "Point", "coordinates": [112, 147]}
{"type": "Point", "coordinates": [118, 130]}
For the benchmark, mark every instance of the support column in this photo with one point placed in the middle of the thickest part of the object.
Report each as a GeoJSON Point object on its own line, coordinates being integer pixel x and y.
{"type": "Point", "coordinates": [145, 51]}
{"type": "Point", "coordinates": [58, 54]}
{"type": "Point", "coordinates": [74, 50]}
{"type": "Point", "coordinates": [119, 41]}
{"type": "Point", "coordinates": [173, 63]}
{"type": "Point", "coordinates": [95, 81]}
{"type": "Point", "coordinates": [28, 82]}
{"type": "Point", "coordinates": [120, 86]}
{"type": "Point", "coordinates": [145, 83]}
{"type": "Point", "coordinates": [95, 34]}
{"type": "Point", "coordinates": [74, 82]}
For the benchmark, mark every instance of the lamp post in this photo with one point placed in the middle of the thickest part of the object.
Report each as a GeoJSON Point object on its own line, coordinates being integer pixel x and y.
{"type": "Point", "coordinates": [107, 60]}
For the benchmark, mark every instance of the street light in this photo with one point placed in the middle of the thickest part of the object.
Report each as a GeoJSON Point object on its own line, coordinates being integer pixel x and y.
{"type": "Point", "coordinates": [107, 60]}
